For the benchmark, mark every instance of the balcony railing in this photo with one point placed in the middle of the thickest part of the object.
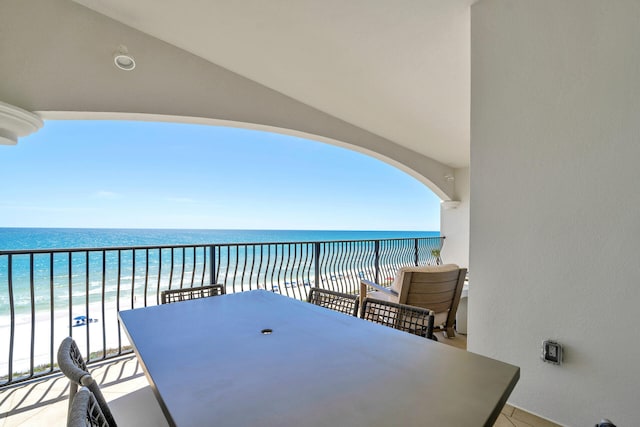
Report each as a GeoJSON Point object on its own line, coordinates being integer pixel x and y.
{"type": "Point", "coordinates": [46, 295]}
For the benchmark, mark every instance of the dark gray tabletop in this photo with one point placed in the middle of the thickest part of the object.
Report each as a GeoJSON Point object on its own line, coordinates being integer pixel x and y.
{"type": "Point", "coordinates": [209, 364]}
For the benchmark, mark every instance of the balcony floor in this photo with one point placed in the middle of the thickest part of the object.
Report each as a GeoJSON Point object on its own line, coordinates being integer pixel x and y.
{"type": "Point", "coordinates": [44, 402]}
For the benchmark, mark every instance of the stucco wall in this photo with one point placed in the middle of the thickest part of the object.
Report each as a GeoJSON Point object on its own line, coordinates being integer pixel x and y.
{"type": "Point", "coordinates": [454, 223]}
{"type": "Point", "coordinates": [555, 206]}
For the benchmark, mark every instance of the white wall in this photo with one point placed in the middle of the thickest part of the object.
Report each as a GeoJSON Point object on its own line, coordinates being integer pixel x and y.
{"type": "Point", "coordinates": [555, 203]}
{"type": "Point", "coordinates": [454, 223]}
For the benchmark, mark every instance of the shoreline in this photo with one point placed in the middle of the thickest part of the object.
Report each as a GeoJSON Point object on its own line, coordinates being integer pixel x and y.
{"type": "Point", "coordinates": [104, 331]}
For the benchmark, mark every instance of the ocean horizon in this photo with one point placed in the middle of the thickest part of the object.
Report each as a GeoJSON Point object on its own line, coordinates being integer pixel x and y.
{"type": "Point", "coordinates": [34, 238]}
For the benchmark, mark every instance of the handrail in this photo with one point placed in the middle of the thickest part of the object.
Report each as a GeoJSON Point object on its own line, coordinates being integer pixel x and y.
{"type": "Point", "coordinates": [48, 294]}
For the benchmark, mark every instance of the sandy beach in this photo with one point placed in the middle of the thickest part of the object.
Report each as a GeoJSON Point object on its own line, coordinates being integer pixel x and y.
{"type": "Point", "coordinates": [103, 330]}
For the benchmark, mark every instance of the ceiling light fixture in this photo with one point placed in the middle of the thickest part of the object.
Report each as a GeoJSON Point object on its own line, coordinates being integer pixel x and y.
{"type": "Point", "coordinates": [123, 60]}
{"type": "Point", "coordinates": [450, 204]}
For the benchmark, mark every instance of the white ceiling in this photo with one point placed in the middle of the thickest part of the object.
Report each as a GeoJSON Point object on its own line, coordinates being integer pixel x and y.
{"type": "Point", "coordinates": [399, 69]}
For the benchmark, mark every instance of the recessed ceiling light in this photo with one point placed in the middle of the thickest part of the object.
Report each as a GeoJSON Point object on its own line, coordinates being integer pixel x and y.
{"type": "Point", "coordinates": [123, 60]}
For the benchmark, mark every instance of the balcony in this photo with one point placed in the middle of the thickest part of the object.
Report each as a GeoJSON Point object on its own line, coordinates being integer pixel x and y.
{"type": "Point", "coordinates": [79, 292]}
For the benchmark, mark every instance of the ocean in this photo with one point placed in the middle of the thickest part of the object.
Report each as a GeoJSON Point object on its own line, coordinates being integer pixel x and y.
{"type": "Point", "coordinates": [68, 277]}
{"type": "Point", "coordinates": [66, 238]}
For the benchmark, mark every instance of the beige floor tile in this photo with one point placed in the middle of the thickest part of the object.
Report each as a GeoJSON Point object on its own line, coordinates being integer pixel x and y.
{"type": "Point", "coordinates": [45, 402]}
{"type": "Point", "coordinates": [6, 403]}
{"type": "Point", "coordinates": [530, 419]}
{"type": "Point", "coordinates": [518, 423]}
{"type": "Point", "coordinates": [35, 394]}
{"type": "Point", "coordinates": [52, 414]}
{"type": "Point", "coordinates": [459, 341]}
{"type": "Point", "coordinates": [507, 410]}
{"type": "Point", "coordinates": [503, 421]}
{"type": "Point", "coordinates": [38, 403]}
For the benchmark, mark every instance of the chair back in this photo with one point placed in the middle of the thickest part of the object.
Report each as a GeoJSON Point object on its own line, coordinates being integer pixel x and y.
{"type": "Point", "coordinates": [85, 411]}
{"type": "Point", "coordinates": [436, 288]}
{"type": "Point", "coordinates": [338, 301]}
{"type": "Point", "coordinates": [407, 318]}
{"type": "Point", "coordinates": [185, 294]}
{"type": "Point", "coordinates": [74, 368]}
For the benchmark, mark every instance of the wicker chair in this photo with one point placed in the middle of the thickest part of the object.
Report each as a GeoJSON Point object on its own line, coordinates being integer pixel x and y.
{"type": "Point", "coordinates": [436, 288]}
{"type": "Point", "coordinates": [85, 411]}
{"type": "Point", "coordinates": [407, 318]}
{"type": "Point", "coordinates": [73, 367]}
{"type": "Point", "coordinates": [128, 408]}
{"type": "Point", "coordinates": [185, 294]}
{"type": "Point", "coordinates": [338, 301]}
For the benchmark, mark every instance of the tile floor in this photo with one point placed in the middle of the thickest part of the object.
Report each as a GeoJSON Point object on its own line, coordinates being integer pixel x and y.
{"type": "Point", "coordinates": [44, 402]}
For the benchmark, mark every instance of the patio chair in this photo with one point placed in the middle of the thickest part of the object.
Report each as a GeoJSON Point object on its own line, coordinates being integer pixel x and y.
{"type": "Point", "coordinates": [85, 411]}
{"type": "Point", "coordinates": [185, 294]}
{"type": "Point", "coordinates": [436, 288]}
{"type": "Point", "coordinates": [129, 407]}
{"type": "Point", "coordinates": [74, 368]}
{"type": "Point", "coordinates": [407, 318]}
{"type": "Point", "coordinates": [338, 301]}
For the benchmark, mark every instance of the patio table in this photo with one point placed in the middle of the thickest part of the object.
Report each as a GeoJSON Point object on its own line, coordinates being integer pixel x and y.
{"type": "Point", "coordinates": [261, 359]}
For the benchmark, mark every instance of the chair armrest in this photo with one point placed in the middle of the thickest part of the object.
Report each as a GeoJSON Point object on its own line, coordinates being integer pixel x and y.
{"type": "Point", "coordinates": [363, 289]}
{"type": "Point", "coordinates": [364, 282]}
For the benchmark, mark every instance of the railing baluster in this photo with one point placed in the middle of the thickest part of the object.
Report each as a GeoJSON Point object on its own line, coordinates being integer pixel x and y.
{"type": "Point", "coordinates": [118, 282]}
{"type": "Point", "coordinates": [253, 261]}
{"type": "Point", "coordinates": [244, 268]}
{"type": "Point", "coordinates": [280, 268]}
{"type": "Point", "coordinates": [32, 298]}
{"type": "Point", "coordinates": [12, 316]}
{"type": "Point", "coordinates": [263, 285]}
{"type": "Point", "coordinates": [133, 278]}
{"type": "Point", "coordinates": [52, 308]}
{"type": "Point", "coordinates": [284, 272]}
{"type": "Point", "coordinates": [273, 270]}
{"type": "Point", "coordinates": [159, 275]}
{"type": "Point", "coordinates": [204, 264]}
{"type": "Point", "coordinates": [316, 263]}
{"type": "Point", "coordinates": [212, 273]}
{"type": "Point", "coordinates": [235, 271]}
{"type": "Point", "coordinates": [70, 275]}
{"type": "Point", "coordinates": [146, 274]}
{"type": "Point", "coordinates": [226, 270]}
{"type": "Point", "coordinates": [377, 260]}
{"type": "Point", "coordinates": [104, 286]}
{"type": "Point", "coordinates": [86, 306]}
{"type": "Point", "coordinates": [193, 271]}
{"type": "Point", "coordinates": [171, 268]}
{"type": "Point", "coordinates": [183, 265]}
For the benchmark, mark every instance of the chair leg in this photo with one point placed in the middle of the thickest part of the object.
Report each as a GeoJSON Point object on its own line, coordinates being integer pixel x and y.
{"type": "Point", "coordinates": [449, 332]}
{"type": "Point", "coordinates": [73, 389]}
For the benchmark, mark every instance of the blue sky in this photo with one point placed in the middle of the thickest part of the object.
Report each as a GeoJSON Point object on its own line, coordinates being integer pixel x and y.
{"type": "Point", "coordinates": [165, 175]}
